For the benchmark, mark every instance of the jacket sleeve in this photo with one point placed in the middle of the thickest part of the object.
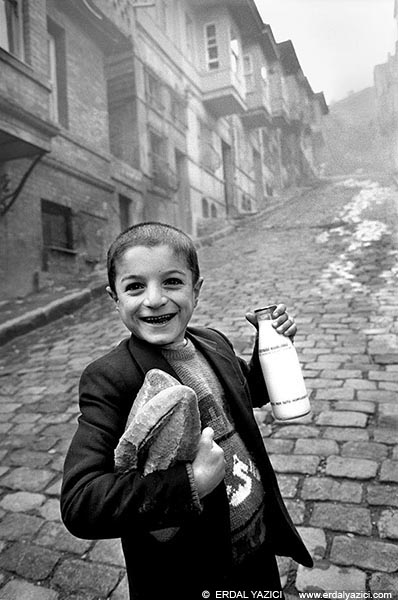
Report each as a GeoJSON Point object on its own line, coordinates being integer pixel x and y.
{"type": "Point", "coordinates": [98, 503]}
{"type": "Point", "coordinates": [255, 378]}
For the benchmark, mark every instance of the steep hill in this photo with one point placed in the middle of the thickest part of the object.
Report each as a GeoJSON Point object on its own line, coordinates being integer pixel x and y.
{"type": "Point", "coordinates": [352, 141]}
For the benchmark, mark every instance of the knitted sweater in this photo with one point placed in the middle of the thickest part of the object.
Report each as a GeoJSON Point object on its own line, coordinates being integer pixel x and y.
{"type": "Point", "coordinates": [244, 487]}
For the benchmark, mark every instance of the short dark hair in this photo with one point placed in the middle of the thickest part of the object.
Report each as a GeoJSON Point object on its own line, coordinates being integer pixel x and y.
{"type": "Point", "coordinates": [152, 234]}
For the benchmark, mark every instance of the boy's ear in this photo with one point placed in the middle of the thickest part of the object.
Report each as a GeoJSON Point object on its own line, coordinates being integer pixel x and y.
{"type": "Point", "coordinates": [197, 288]}
{"type": "Point", "coordinates": [111, 293]}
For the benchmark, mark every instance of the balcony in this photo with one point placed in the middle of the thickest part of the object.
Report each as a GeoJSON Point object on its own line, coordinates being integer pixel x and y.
{"type": "Point", "coordinates": [296, 112]}
{"type": "Point", "coordinates": [280, 111]}
{"type": "Point", "coordinates": [296, 116]}
{"type": "Point", "coordinates": [25, 127]}
{"type": "Point", "coordinates": [258, 110]}
{"type": "Point", "coordinates": [162, 176]}
{"type": "Point", "coordinates": [222, 93]}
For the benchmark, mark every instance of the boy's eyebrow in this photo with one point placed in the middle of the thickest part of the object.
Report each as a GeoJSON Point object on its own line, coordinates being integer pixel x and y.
{"type": "Point", "coordinates": [164, 273]}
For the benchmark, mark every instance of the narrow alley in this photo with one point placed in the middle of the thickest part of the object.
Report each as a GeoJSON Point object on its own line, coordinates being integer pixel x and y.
{"type": "Point", "coordinates": [331, 254]}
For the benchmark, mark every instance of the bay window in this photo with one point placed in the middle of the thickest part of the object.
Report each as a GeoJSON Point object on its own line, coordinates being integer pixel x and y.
{"type": "Point", "coordinates": [11, 27]}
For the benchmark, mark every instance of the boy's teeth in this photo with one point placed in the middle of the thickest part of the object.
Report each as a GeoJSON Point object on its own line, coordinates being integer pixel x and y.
{"type": "Point", "coordinates": [160, 319]}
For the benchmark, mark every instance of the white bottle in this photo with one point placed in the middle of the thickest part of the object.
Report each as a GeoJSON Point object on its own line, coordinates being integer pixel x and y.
{"type": "Point", "coordinates": [281, 370]}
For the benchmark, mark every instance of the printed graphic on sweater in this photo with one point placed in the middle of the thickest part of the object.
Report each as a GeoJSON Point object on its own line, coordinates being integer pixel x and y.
{"type": "Point", "coordinates": [242, 480]}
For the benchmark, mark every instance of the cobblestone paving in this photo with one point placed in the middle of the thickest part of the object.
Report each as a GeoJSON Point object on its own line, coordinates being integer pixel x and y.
{"type": "Point", "coordinates": [332, 257]}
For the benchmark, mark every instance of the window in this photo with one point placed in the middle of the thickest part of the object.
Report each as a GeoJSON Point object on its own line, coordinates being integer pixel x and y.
{"type": "Point", "coordinates": [205, 208]}
{"type": "Point", "coordinates": [209, 157]}
{"type": "Point", "coordinates": [248, 72]}
{"type": "Point", "coordinates": [246, 203]}
{"type": "Point", "coordinates": [264, 83]}
{"type": "Point", "coordinates": [177, 110]}
{"type": "Point", "coordinates": [124, 212]}
{"type": "Point", "coordinates": [189, 37]}
{"type": "Point", "coordinates": [56, 225]}
{"type": "Point", "coordinates": [213, 62]}
{"type": "Point", "coordinates": [154, 90]}
{"type": "Point", "coordinates": [157, 144]}
{"type": "Point", "coordinates": [52, 75]}
{"type": "Point", "coordinates": [235, 52]}
{"type": "Point", "coordinates": [57, 73]}
{"type": "Point", "coordinates": [238, 142]}
{"type": "Point", "coordinates": [162, 15]}
{"type": "Point", "coordinates": [158, 159]}
{"type": "Point", "coordinates": [11, 27]}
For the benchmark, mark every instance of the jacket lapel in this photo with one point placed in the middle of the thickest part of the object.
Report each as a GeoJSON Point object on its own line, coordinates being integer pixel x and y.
{"type": "Point", "coordinates": [147, 357]}
{"type": "Point", "coordinates": [221, 361]}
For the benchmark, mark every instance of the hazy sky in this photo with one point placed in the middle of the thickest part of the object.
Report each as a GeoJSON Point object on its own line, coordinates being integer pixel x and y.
{"type": "Point", "coordinates": [338, 42]}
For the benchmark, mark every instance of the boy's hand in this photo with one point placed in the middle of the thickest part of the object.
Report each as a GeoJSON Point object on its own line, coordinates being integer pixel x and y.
{"type": "Point", "coordinates": [209, 464]}
{"type": "Point", "coordinates": [282, 322]}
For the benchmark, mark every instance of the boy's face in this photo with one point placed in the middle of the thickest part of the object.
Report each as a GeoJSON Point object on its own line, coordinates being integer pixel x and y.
{"type": "Point", "coordinates": [155, 296]}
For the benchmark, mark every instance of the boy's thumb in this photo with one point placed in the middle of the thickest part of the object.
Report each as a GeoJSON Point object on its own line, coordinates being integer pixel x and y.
{"type": "Point", "coordinates": [207, 434]}
{"type": "Point", "coordinates": [251, 317]}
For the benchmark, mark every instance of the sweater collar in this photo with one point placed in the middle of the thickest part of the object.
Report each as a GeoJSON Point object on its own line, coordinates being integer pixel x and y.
{"type": "Point", "coordinates": [147, 356]}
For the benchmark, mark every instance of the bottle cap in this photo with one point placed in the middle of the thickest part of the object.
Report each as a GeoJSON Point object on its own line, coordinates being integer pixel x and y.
{"type": "Point", "coordinates": [269, 308]}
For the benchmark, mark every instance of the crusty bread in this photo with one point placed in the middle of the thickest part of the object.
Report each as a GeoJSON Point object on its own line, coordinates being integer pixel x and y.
{"type": "Point", "coordinates": [163, 426]}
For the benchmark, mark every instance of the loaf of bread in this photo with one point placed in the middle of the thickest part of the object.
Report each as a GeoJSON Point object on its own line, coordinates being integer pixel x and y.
{"type": "Point", "coordinates": [163, 426]}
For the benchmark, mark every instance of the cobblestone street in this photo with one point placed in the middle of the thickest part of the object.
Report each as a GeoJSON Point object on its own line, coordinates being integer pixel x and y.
{"type": "Point", "coordinates": [331, 255]}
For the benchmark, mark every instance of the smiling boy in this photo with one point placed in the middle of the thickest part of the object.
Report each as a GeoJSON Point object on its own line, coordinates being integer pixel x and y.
{"type": "Point", "coordinates": [226, 504]}
{"type": "Point", "coordinates": [155, 294]}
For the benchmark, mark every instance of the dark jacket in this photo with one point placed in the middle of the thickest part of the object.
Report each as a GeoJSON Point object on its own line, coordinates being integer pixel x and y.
{"type": "Point", "coordinates": [98, 503]}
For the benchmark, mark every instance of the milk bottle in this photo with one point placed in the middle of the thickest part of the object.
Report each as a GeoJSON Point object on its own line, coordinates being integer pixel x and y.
{"type": "Point", "coordinates": [281, 370]}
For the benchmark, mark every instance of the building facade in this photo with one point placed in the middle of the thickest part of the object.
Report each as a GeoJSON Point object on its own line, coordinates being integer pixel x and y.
{"type": "Point", "coordinates": [111, 113]}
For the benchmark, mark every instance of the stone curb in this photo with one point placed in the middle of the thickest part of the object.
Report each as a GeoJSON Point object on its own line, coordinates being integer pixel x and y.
{"type": "Point", "coordinates": [40, 317]}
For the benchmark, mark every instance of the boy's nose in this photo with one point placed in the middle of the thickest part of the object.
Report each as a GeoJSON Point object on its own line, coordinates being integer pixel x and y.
{"type": "Point", "coordinates": [154, 297]}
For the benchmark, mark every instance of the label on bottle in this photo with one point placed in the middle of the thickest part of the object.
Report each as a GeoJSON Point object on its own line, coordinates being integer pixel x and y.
{"type": "Point", "coordinates": [272, 349]}
{"type": "Point", "coordinates": [289, 401]}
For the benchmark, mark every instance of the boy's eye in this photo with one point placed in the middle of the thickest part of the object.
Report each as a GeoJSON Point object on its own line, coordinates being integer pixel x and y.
{"type": "Point", "coordinates": [134, 286]}
{"type": "Point", "coordinates": [173, 281]}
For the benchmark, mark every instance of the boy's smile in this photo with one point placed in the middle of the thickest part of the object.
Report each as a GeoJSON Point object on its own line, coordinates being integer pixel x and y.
{"type": "Point", "coordinates": [155, 295]}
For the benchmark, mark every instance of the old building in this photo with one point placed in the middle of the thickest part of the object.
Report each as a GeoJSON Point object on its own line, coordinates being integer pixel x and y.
{"type": "Point", "coordinates": [115, 112]}
{"type": "Point", "coordinates": [54, 119]}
